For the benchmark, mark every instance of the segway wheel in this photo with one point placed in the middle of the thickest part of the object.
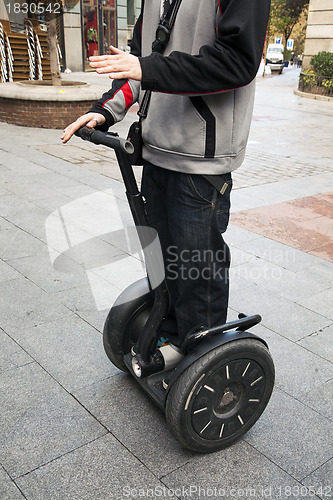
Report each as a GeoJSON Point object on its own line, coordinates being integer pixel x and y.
{"type": "Point", "coordinates": [218, 398]}
{"type": "Point", "coordinates": [119, 341]}
{"type": "Point", "coordinates": [125, 322]}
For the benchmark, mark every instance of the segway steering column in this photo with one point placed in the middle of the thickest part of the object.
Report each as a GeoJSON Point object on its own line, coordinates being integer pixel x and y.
{"type": "Point", "coordinates": [146, 361]}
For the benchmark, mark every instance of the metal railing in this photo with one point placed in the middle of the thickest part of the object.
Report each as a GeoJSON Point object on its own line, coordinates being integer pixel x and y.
{"type": "Point", "coordinates": [314, 84]}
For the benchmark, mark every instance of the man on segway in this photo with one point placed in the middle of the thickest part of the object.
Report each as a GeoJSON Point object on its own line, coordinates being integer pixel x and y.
{"type": "Point", "coordinates": [194, 78]}
{"type": "Point", "coordinates": [194, 136]}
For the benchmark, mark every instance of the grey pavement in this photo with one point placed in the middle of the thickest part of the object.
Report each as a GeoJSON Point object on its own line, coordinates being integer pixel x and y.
{"type": "Point", "coordinates": [72, 425]}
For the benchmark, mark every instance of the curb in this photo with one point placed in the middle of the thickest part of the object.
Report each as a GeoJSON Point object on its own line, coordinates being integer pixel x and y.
{"type": "Point", "coordinates": [42, 106]}
{"type": "Point", "coordinates": [80, 92]}
{"type": "Point", "coordinates": [317, 97]}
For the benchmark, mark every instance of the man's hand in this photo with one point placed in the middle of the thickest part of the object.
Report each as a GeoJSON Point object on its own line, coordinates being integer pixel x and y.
{"type": "Point", "coordinates": [91, 120]}
{"type": "Point", "coordinates": [119, 65]}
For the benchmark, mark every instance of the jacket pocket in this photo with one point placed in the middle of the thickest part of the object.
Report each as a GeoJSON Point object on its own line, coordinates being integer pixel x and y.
{"type": "Point", "coordinates": [174, 125]}
{"type": "Point", "coordinates": [206, 114]}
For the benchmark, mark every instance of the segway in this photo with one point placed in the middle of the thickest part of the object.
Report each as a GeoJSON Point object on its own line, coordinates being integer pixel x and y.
{"type": "Point", "coordinates": [217, 383]}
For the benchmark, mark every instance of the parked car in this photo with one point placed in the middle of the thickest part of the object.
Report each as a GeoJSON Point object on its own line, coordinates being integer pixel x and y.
{"type": "Point", "coordinates": [275, 57]}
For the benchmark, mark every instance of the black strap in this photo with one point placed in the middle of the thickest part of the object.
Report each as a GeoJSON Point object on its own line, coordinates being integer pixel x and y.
{"type": "Point", "coordinates": [143, 110]}
{"type": "Point", "coordinates": [166, 11]}
{"type": "Point", "coordinates": [164, 27]}
{"type": "Point", "coordinates": [173, 12]}
{"type": "Point", "coordinates": [169, 15]}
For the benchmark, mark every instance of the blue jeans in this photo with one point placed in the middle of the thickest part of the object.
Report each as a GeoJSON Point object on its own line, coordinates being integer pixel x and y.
{"type": "Point", "coordinates": [189, 215]}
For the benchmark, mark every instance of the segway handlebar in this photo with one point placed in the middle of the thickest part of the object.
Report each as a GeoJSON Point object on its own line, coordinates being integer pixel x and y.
{"type": "Point", "coordinates": [109, 139]}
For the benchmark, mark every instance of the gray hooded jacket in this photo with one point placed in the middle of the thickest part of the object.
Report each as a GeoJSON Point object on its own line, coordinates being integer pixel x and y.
{"type": "Point", "coordinates": [203, 85]}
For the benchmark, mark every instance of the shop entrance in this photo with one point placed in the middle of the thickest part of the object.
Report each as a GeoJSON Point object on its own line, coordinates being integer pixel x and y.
{"type": "Point", "coordinates": [108, 25]}
{"type": "Point", "coordinates": [99, 27]}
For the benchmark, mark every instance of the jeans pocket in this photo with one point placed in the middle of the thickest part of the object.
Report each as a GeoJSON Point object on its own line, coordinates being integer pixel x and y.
{"type": "Point", "coordinates": [202, 189]}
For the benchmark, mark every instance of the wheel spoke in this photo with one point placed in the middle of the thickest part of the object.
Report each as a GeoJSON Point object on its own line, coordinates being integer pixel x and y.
{"type": "Point", "coordinates": [247, 367]}
{"type": "Point", "coordinates": [201, 409]}
{"type": "Point", "coordinates": [240, 419]}
{"type": "Point", "coordinates": [255, 381]}
{"type": "Point", "coordinates": [205, 427]}
{"type": "Point", "coordinates": [227, 372]}
{"type": "Point", "coordinates": [209, 388]}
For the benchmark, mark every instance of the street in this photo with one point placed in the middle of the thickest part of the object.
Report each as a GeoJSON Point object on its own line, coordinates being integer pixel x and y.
{"type": "Point", "coordinates": [72, 425]}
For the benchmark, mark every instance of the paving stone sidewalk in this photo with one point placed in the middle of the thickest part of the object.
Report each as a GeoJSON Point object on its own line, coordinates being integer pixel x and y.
{"type": "Point", "coordinates": [75, 427]}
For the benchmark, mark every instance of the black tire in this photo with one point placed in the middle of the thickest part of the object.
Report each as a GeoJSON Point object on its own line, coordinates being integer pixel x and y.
{"type": "Point", "coordinates": [221, 395]}
{"type": "Point", "coordinates": [125, 321]}
{"type": "Point", "coordinates": [118, 342]}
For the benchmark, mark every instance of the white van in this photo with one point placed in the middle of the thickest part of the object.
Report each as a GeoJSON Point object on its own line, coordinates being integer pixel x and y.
{"type": "Point", "coordinates": [275, 58]}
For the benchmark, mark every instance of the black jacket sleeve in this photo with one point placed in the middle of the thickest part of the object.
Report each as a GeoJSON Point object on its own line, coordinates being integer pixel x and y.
{"type": "Point", "coordinates": [118, 85]}
{"type": "Point", "coordinates": [230, 63]}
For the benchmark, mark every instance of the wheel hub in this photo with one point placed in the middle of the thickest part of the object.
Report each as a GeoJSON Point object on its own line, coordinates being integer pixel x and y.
{"type": "Point", "coordinates": [227, 398]}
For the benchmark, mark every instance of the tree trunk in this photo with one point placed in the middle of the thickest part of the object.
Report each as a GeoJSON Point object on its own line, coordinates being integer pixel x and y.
{"type": "Point", "coordinates": [52, 41]}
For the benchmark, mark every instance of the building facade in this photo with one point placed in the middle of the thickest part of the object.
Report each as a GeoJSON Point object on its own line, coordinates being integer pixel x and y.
{"type": "Point", "coordinates": [85, 27]}
{"type": "Point", "coordinates": [319, 33]}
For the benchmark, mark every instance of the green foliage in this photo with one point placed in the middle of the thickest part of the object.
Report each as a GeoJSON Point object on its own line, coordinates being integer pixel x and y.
{"type": "Point", "coordinates": [288, 55]}
{"type": "Point", "coordinates": [314, 84]}
{"type": "Point", "coordinates": [322, 64]}
{"type": "Point", "coordinates": [284, 16]}
{"type": "Point", "coordinates": [309, 78]}
{"type": "Point", "coordinates": [328, 84]}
